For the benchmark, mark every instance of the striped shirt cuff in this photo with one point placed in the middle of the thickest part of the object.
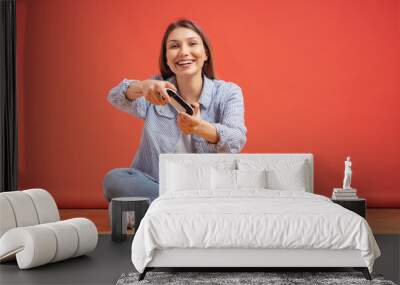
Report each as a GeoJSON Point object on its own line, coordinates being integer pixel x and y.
{"type": "Point", "coordinates": [220, 146]}
{"type": "Point", "coordinates": [222, 139]}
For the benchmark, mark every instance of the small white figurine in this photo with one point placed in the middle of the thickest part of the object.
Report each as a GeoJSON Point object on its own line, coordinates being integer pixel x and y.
{"type": "Point", "coordinates": [347, 174]}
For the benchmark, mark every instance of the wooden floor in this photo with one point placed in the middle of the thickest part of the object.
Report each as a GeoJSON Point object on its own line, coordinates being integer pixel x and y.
{"type": "Point", "coordinates": [381, 221]}
{"type": "Point", "coordinates": [384, 221]}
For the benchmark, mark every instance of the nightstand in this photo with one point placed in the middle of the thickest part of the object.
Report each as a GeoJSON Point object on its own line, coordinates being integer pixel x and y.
{"type": "Point", "coordinates": [358, 205]}
{"type": "Point", "coordinates": [123, 204]}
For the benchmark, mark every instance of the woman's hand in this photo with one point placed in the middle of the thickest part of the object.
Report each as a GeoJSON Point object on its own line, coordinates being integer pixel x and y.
{"type": "Point", "coordinates": [154, 91]}
{"type": "Point", "coordinates": [190, 124]}
{"type": "Point", "coordinates": [196, 126]}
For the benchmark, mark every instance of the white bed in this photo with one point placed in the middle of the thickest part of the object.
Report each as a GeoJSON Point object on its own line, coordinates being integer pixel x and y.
{"type": "Point", "coordinates": [213, 225]}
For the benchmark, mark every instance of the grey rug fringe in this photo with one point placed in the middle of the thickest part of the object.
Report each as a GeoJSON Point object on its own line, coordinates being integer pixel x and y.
{"type": "Point", "coordinates": [253, 278]}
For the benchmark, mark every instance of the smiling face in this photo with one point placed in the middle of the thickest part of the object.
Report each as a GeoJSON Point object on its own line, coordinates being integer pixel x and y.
{"type": "Point", "coordinates": [185, 52]}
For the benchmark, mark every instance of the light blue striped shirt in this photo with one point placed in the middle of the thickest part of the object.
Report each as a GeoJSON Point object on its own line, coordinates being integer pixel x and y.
{"type": "Point", "coordinates": [221, 103]}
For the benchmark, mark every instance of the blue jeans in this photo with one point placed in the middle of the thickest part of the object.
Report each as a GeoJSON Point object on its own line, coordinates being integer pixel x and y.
{"type": "Point", "coordinates": [129, 182]}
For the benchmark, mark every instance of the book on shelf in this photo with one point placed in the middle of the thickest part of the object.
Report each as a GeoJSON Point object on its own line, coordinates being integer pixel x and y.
{"type": "Point", "coordinates": [341, 190]}
{"type": "Point", "coordinates": [344, 197]}
{"type": "Point", "coordinates": [345, 194]}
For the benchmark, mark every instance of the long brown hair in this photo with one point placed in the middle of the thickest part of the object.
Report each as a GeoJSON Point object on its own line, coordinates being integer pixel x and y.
{"type": "Point", "coordinates": [208, 67]}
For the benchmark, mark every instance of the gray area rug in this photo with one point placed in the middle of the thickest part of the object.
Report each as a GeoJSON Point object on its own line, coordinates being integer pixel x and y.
{"type": "Point", "coordinates": [270, 278]}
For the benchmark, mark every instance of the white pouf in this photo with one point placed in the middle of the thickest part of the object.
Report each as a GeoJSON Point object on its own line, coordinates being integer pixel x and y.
{"type": "Point", "coordinates": [31, 232]}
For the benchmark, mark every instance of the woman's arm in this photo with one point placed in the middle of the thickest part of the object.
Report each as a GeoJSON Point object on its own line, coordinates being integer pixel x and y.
{"type": "Point", "coordinates": [208, 131]}
{"type": "Point", "coordinates": [196, 126]}
{"type": "Point", "coordinates": [135, 97]}
{"type": "Point", "coordinates": [231, 129]}
{"type": "Point", "coordinates": [135, 104]}
{"type": "Point", "coordinates": [134, 90]}
{"type": "Point", "coordinates": [229, 134]}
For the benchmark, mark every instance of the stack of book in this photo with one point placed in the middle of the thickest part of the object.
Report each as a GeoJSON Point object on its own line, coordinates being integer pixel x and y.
{"type": "Point", "coordinates": [344, 194]}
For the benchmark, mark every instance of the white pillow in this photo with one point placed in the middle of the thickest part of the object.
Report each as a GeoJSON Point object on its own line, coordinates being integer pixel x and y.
{"type": "Point", "coordinates": [282, 174]}
{"type": "Point", "coordinates": [224, 179]}
{"type": "Point", "coordinates": [251, 178]}
{"type": "Point", "coordinates": [183, 177]}
{"type": "Point", "coordinates": [287, 179]}
{"type": "Point", "coordinates": [227, 179]}
{"type": "Point", "coordinates": [196, 159]}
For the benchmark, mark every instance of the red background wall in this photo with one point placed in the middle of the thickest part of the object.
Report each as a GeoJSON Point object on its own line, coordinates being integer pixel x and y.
{"type": "Point", "coordinates": [318, 76]}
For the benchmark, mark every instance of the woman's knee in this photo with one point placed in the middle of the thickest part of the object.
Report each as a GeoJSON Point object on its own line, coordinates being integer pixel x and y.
{"type": "Point", "coordinates": [111, 182]}
{"type": "Point", "coordinates": [120, 182]}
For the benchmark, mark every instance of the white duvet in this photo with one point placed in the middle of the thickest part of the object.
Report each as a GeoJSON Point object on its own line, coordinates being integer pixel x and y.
{"type": "Point", "coordinates": [251, 218]}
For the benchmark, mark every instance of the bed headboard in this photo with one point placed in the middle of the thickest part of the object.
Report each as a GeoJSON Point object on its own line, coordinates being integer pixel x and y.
{"type": "Point", "coordinates": [212, 158]}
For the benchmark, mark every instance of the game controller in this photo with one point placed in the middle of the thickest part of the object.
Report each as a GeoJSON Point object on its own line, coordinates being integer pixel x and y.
{"type": "Point", "coordinates": [179, 104]}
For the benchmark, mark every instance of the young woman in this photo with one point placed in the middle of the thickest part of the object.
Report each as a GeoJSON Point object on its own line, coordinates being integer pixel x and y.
{"type": "Point", "coordinates": [217, 125]}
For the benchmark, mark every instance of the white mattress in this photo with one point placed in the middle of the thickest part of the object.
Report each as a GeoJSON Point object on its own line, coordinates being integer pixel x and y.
{"type": "Point", "coordinates": [251, 218]}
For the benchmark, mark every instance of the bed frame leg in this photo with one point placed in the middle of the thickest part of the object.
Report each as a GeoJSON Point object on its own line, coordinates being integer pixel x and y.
{"type": "Point", "coordinates": [364, 271]}
{"type": "Point", "coordinates": [143, 274]}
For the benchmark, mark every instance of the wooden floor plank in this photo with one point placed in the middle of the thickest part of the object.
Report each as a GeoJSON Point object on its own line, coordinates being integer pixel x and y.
{"type": "Point", "coordinates": [381, 221]}
{"type": "Point", "coordinates": [384, 221]}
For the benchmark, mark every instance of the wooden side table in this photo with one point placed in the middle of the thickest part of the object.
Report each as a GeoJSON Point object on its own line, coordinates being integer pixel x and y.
{"type": "Point", "coordinates": [123, 204]}
{"type": "Point", "coordinates": [358, 205]}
